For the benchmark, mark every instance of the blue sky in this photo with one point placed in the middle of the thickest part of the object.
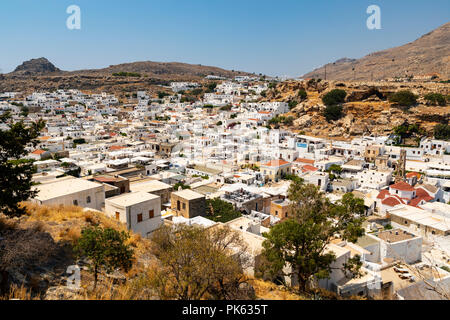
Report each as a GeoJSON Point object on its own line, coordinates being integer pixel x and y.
{"type": "Point", "coordinates": [283, 37]}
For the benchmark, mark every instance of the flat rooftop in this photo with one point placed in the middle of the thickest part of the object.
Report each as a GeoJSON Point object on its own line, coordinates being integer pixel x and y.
{"type": "Point", "coordinates": [396, 235]}
{"type": "Point", "coordinates": [188, 194]}
{"type": "Point", "coordinates": [62, 188]}
{"type": "Point", "coordinates": [150, 186]}
{"type": "Point", "coordinates": [365, 241]}
{"type": "Point", "coordinates": [129, 199]}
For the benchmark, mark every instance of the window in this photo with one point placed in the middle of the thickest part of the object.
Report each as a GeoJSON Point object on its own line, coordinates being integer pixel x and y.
{"type": "Point", "coordinates": [151, 214]}
{"type": "Point", "coordinates": [178, 205]}
{"type": "Point", "coordinates": [276, 213]}
{"type": "Point", "coordinates": [184, 206]}
{"type": "Point", "coordinates": [117, 215]}
{"type": "Point", "coordinates": [88, 199]}
{"type": "Point", "coordinates": [75, 202]}
{"type": "Point", "coordinates": [139, 217]}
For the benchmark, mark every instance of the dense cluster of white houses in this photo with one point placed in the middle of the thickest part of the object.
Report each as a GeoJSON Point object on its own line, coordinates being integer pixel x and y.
{"type": "Point", "coordinates": [127, 161]}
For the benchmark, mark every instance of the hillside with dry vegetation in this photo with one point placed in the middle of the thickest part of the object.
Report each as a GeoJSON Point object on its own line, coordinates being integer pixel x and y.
{"type": "Point", "coordinates": [41, 75]}
{"type": "Point", "coordinates": [38, 250]}
{"type": "Point", "coordinates": [428, 54]}
{"type": "Point", "coordinates": [366, 110]}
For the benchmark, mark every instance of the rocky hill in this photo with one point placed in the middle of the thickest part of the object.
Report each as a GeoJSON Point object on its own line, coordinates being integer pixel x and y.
{"type": "Point", "coordinates": [428, 54]}
{"type": "Point", "coordinates": [367, 111]}
{"type": "Point", "coordinates": [35, 67]}
{"type": "Point", "coordinates": [42, 75]}
{"type": "Point", "coordinates": [163, 70]}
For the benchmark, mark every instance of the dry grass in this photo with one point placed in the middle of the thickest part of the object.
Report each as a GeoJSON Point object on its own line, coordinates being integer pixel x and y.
{"type": "Point", "coordinates": [71, 217]}
{"type": "Point", "coordinates": [18, 293]}
{"type": "Point", "coordinates": [7, 224]}
{"type": "Point", "coordinates": [270, 291]}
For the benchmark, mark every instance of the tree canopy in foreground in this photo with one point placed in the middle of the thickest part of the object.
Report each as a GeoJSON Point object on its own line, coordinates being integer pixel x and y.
{"type": "Point", "coordinates": [16, 172]}
{"type": "Point", "coordinates": [300, 243]}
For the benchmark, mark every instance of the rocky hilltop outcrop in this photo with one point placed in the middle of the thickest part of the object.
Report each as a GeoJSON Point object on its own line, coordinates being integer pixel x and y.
{"type": "Point", "coordinates": [35, 67]}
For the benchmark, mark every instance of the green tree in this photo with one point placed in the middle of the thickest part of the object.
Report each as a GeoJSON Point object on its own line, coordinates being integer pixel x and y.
{"type": "Point", "coordinates": [24, 111]}
{"type": "Point", "coordinates": [16, 172]}
{"type": "Point", "coordinates": [79, 141]}
{"type": "Point", "coordinates": [442, 131]}
{"type": "Point", "coordinates": [212, 86]}
{"type": "Point", "coordinates": [219, 210]}
{"type": "Point", "coordinates": [436, 99]}
{"type": "Point", "coordinates": [292, 104]}
{"type": "Point", "coordinates": [302, 94]}
{"type": "Point", "coordinates": [180, 184]}
{"type": "Point", "coordinates": [162, 94]}
{"type": "Point", "coordinates": [403, 98]}
{"type": "Point", "coordinates": [334, 170]}
{"type": "Point", "coordinates": [105, 248]}
{"type": "Point", "coordinates": [333, 112]}
{"type": "Point", "coordinates": [334, 97]}
{"type": "Point", "coordinates": [198, 263]}
{"type": "Point", "coordinates": [301, 241]}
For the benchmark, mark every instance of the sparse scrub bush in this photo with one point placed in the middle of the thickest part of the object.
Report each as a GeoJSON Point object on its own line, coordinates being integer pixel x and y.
{"type": "Point", "coordinates": [403, 98]}
{"type": "Point", "coordinates": [334, 97]}
{"type": "Point", "coordinates": [436, 99]}
{"type": "Point", "coordinates": [333, 112]}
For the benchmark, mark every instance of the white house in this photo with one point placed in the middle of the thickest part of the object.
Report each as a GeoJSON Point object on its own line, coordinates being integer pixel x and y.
{"type": "Point", "coordinates": [71, 192]}
{"type": "Point", "coordinates": [141, 211]}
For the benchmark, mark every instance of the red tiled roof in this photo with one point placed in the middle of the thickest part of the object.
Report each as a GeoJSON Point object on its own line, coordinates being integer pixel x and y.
{"type": "Point", "coordinates": [420, 192]}
{"type": "Point", "coordinates": [275, 163]}
{"type": "Point", "coordinates": [307, 167]}
{"type": "Point", "coordinates": [403, 186]}
{"type": "Point", "coordinates": [391, 201]}
{"type": "Point", "coordinates": [383, 193]}
{"type": "Point", "coordinates": [38, 151]}
{"type": "Point", "coordinates": [413, 174]}
{"type": "Point", "coordinates": [303, 160]}
{"type": "Point", "coordinates": [414, 202]}
{"type": "Point", "coordinates": [115, 148]}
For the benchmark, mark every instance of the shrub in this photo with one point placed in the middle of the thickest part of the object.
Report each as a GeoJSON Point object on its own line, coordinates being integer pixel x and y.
{"type": "Point", "coordinates": [436, 99]}
{"type": "Point", "coordinates": [79, 141]}
{"type": "Point", "coordinates": [333, 112]}
{"type": "Point", "coordinates": [403, 98]}
{"type": "Point", "coordinates": [334, 97]}
{"type": "Point", "coordinates": [162, 94]}
{"type": "Point", "coordinates": [292, 104]}
{"type": "Point", "coordinates": [105, 248]}
{"type": "Point", "coordinates": [126, 74]}
{"type": "Point", "coordinates": [302, 94]}
{"type": "Point", "coordinates": [442, 131]}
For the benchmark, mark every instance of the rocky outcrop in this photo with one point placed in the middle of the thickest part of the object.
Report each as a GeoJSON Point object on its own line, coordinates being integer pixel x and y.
{"type": "Point", "coordinates": [36, 67]}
